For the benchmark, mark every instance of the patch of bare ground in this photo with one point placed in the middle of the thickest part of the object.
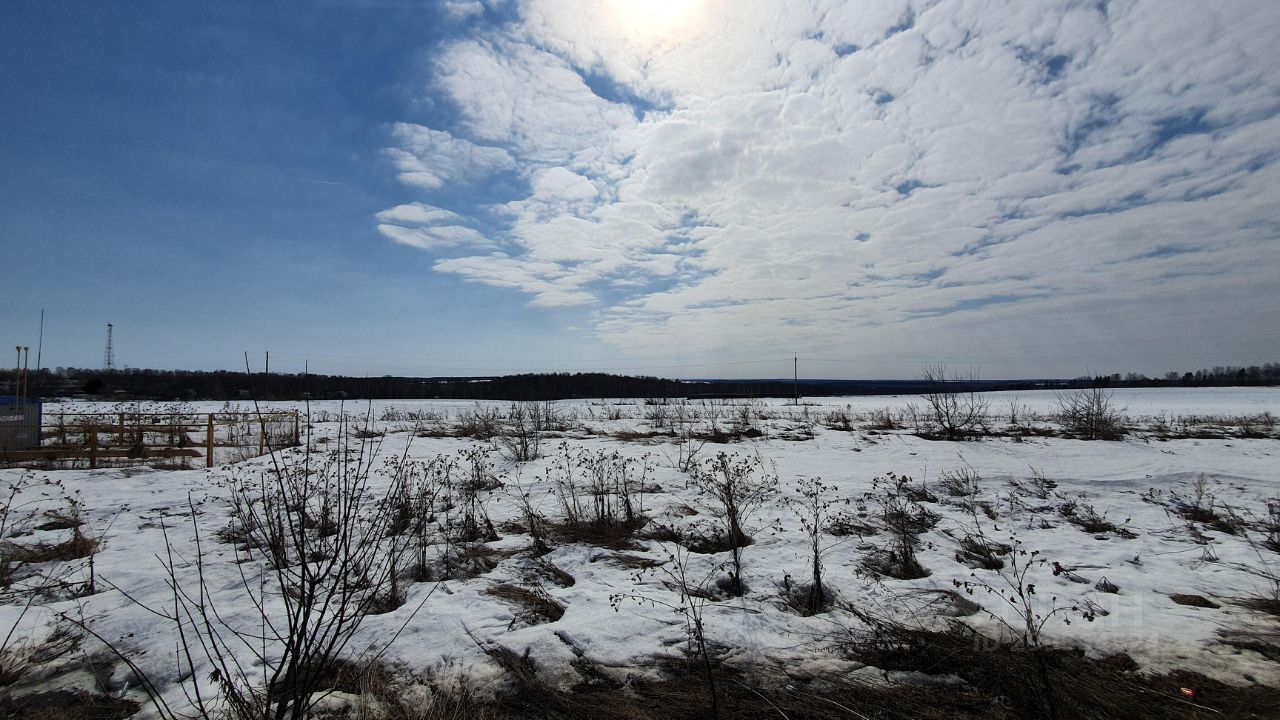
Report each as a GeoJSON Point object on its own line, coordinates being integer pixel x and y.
{"type": "Point", "coordinates": [612, 535]}
{"type": "Point", "coordinates": [1058, 683]}
{"type": "Point", "coordinates": [66, 705]}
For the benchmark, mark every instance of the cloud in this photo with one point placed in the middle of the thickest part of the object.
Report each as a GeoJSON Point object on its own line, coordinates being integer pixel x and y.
{"type": "Point", "coordinates": [416, 213]}
{"type": "Point", "coordinates": [435, 237]}
{"type": "Point", "coordinates": [463, 8]}
{"type": "Point", "coordinates": [532, 102]}
{"type": "Point", "coordinates": [430, 158]}
{"type": "Point", "coordinates": [837, 176]}
{"type": "Point", "coordinates": [549, 284]}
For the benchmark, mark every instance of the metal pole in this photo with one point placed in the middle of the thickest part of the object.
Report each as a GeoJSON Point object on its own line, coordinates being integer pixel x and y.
{"type": "Point", "coordinates": [26, 375]}
{"type": "Point", "coordinates": [796, 377]}
{"type": "Point", "coordinates": [40, 344]}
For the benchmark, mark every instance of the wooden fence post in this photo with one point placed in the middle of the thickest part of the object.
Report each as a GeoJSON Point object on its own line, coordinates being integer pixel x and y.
{"type": "Point", "coordinates": [297, 436]}
{"type": "Point", "coordinates": [93, 447]}
{"type": "Point", "coordinates": [208, 444]}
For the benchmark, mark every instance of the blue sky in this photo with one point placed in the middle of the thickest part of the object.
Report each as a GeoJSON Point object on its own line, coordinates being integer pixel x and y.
{"type": "Point", "coordinates": [681, 187]}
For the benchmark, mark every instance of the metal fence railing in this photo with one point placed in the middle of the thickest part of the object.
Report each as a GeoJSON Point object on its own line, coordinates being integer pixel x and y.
{"type": "Point", "coordinates": [110, 439]}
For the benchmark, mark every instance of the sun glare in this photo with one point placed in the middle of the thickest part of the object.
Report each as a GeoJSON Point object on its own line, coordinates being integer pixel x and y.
{"type": "Point", "coordinates": [655, 19]}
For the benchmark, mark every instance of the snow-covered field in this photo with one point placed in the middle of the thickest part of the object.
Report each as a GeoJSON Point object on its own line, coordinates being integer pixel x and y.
{"type": "Point", "coordinates": [1150, 553]}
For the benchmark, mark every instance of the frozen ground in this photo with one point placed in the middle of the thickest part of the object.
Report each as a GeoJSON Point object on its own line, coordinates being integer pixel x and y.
{"type": "Point", "coordinates": [1150, 553]}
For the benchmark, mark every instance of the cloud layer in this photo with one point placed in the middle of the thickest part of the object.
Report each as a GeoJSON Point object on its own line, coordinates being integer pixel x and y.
{"type": "Point", "coordinates": [1027, 185]}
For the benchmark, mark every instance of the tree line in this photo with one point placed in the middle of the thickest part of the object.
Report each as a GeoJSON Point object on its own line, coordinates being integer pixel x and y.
{"type": "Point", "coordinates": [143, 384]}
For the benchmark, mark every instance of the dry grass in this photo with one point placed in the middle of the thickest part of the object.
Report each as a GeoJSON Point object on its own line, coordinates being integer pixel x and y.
{"type": "Point", "coordinates": [77, 547]}
{"type": "Point", "coordinates": [977, 551]}
{"type": "Point", "coordinates": [683, 695]}
{"type": "Point", "coordinates": [1199, 601]}
{"type": "Point", "coordinates": [66, 705]}
{"type": "Point", "coordinates": [612, 535]}
{"type": "Point", "coordinates": [555, 574]}
{"type": "Point", "coordinates": [1065, 684]}
{"type": "Point", "coordinates": [533, 606]}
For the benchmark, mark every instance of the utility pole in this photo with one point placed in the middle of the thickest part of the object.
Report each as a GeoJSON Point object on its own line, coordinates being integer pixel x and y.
{"type": "Point", "coordinates": [40, 344]}
{"type": "Point", "coordinates": [795, 368]}
{"type": "Point", "coordinates": [26, 372]}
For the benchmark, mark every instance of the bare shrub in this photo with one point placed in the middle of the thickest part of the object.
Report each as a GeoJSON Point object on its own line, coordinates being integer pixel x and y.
{"type": "Point", "coordinates": [312, 589]}
{"type": "Point", "coordinates": [736, 487]}
{"type": "Point", "coordinates": [482, 422]}
{"type": "Point", "coordinates": [1089, 414]}
{"type": "Point", "coordinates": [1201, 506]}
{"type": "Point", "coordinates": [839, 419]}
{"type": "Point", "coordinates": [656, 413]}
{"type": "Point", "coordinates": [601, 493]}
{"type": "Point", "coordinates": [469, 495]}
{"type": "Point", "coordinates": [952, 402]}
{"type": "Point", "coordinates": [424, 493]}
{"type": "Point", "coordinates": [743, 417]}
{"type": "Point", "coordinates": [693, 596]}
{"type": "Point", "coordinates": [903, 518]}
{"type": "Point", "coordinates": [881, 419]}
{"type": "Point", "coordinates": [689, 444]}
{"type": "Point", "coordinates": [813, 503]}
{"type": "Point", "coordinates": [530, 512]}
{"type": "Point", "coordinates": [961, 482]}
{"type": "Point", "coordinates": [521, 437]}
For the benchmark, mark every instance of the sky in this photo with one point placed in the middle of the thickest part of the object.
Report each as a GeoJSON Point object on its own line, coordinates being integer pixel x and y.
{"type": "Point", "coordinates": [684, 188]}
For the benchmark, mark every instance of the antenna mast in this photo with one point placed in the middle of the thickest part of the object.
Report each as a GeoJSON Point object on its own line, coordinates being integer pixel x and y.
{"type": "Point", "coordinates": [109, 357]}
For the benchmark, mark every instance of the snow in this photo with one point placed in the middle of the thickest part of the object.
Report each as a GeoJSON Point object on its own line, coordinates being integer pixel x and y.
{"type": "Point", "coordinates": [1130, 481]}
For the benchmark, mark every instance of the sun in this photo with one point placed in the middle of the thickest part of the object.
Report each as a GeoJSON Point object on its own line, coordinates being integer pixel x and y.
{"type": "Point", "coordinates": [653, 20]}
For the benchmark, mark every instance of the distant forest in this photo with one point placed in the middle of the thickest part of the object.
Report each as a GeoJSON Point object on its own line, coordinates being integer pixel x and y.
{"type": "Point", "coordinates": [137, 384]}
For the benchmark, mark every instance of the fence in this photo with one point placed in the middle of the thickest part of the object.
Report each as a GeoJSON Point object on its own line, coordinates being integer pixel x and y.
{"type": "Point", "coordinates": [145, 438]}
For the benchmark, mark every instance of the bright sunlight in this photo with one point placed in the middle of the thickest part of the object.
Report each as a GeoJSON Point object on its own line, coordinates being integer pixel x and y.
{"type": "Point", "coordinates": [655, 20]}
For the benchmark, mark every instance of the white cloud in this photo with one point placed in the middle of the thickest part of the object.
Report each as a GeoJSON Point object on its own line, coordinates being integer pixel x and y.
{"type": "Point", "coordinates": [463, 8]}
{"type": "Point", "coordinates": [430, 158]}
{"type": "Point", "coordinates": [532, 101]}
{"type": "Point", "coordinates": [837, 176]}
{"type": "Point", "coordinates": [416, 214]}
{"type": "Point", "coordinates": [436, 237]}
